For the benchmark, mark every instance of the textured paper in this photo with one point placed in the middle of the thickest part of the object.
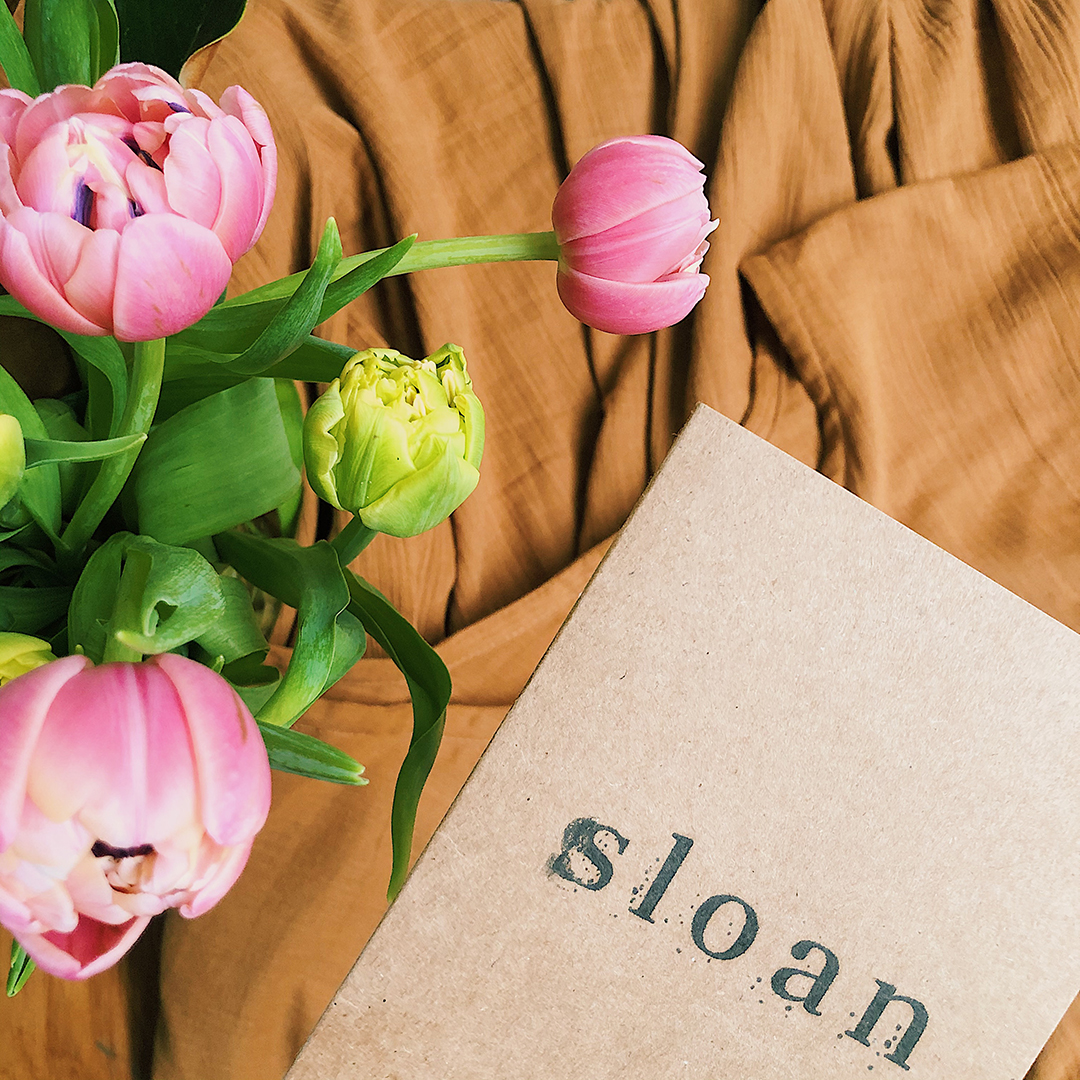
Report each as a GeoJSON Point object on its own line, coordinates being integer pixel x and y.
{"type": "Point", "coordinates": [769, 693]}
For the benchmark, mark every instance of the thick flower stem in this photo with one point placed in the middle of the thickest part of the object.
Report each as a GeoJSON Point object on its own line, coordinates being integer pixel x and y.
{"type": "Point", "coordinates": [352, 540]}
{"type": "Point", "coordinates": [143, 392]}
{"type": "Point", "coordinates": [126, 609]}
{"type": "Point", "coordinates": [430, 255]}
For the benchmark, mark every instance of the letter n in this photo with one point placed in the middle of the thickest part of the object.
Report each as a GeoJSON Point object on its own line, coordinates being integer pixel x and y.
{"type": "Point", "coordinates": [822, 980]}
{"type": "Point", "coordinates": [906, 1043]}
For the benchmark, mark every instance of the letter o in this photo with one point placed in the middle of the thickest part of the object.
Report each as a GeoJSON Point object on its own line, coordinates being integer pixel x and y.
{"type": "Point", "coordinates": [707, 910]}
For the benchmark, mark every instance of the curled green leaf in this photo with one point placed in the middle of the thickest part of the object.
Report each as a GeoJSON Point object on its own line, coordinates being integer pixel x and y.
{"type": "Point", "coordinates": [294, 752]}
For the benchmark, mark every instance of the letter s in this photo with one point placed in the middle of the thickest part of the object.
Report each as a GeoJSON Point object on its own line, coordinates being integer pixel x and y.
{"type": "Point", "coordinates": [591, 868]}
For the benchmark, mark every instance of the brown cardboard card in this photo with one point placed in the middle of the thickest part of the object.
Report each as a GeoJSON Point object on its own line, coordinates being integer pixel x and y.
{"type": "Point", "coordinates": [792, 795]}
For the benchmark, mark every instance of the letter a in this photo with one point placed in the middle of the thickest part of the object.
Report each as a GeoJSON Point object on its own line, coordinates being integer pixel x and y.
{"type": "Point", "coordinates": [822, 980]}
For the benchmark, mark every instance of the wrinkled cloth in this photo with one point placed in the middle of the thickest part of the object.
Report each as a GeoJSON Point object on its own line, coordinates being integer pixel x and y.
{"type": "Point", "coordinates": [895, 301]}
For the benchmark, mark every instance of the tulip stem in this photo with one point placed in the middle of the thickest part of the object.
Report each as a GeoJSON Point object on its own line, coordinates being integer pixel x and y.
{"type": "Point", "coordinates": [427, 255]}
{"type": "Point", "coordinates": [129, 595]}
{"type": "Point", "coordinates": [352, 540]}
{"type": "Point", "coordinates": [144, 389]}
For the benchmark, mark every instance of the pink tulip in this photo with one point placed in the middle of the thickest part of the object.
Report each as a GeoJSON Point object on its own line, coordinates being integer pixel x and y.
{"type": "Point", "coordinates": [124, 205]}
{"type": "Point", "coordinates": [125, 789]}
{"type": "Point", "coordinates": [631, 221]}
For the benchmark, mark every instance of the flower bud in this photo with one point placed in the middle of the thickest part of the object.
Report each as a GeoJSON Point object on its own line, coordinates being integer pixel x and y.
{"type": "Point", "coordinates": [20, 653]}
{"type": "Point", "coordinates": [397, 441]}
{"type": "Point", "coordinates": [631, 221]}
{"type": "Point", "coordinates": [12, 458]}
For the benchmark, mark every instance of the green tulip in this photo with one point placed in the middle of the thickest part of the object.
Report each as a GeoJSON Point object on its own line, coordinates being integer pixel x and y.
{"type": "Point", "coordinates": [397, 441]}
{"type": "Point", "coordinates": [20, 653]}
{"type": "Point", "coordinates": [12, 458]}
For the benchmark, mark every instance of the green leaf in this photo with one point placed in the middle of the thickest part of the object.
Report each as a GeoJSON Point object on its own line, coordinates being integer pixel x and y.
{"type": "Point", "coordinates": [47, 451]}
{"type": "Point", "coordinates": [179, 393]}
{"type": "Point", "coordinates": [192, 376]}
{"type": "Point", "coordinates": [316, 360]}
{"type": "Point", "coordinates": [255, 697]}
{"type": "Point", "coordinates": [153, 598]}
{"type": "Point", "coordinates": [12, 557]}
{"type": "Point", "coordinates": [101, 353]}
{"type": "Point", "coordinates": [167, 32]}
{"type": "Point", "coordinates": [14, 58]}
{"type": "Point", "coordinates": [107, 400]}
{"type": "Point", "coordinates": [429, 687]}
{"type": "Point", "coordinates": [235, 635]}
{"type": "Point", "coordinates": [26, 611]}
{"type": "Point", "coordinates": [294, 752]}
{"type": "Point", "coordinates": [235, 325]}
{"type": "Point", "coordinates": [311, 580]}
{"type": "Point", "coordinates": [40, 489]}
{"type": "Point", "coordinates": [295, 321]}
{"type": "Point", "coordinates": [292, 415]}
{"type": "Point", "coordinates": [357, 281]}
{"type": "Point", "coordinates": [284, 287]}
{"type": "Point", "coordinates": [249, 672]}
{"type": "Point", "coordinates": [105, 48]}
{"type": "Point", "coordinates": [20, 969]}
{"type": "Point", "coordinates": [167, 597]}
{"type": "Point", "coordinates": [94, 598]}
{"type": "Point", "coordinates": [71, 41]}
{"type": "Point", "coordinates": [213, 465]}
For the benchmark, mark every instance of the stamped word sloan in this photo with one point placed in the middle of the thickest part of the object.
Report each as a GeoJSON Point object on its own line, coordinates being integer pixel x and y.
{"type": "Point", "coordinates": [583, 861]}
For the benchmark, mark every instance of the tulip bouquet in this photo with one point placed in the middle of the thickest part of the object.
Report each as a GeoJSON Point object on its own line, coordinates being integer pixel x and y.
{"type": "Point", "coordinates": [146, 517]}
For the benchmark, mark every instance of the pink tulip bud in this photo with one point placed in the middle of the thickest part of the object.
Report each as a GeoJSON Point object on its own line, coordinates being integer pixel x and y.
{"type": "Point", "coordinates": [124, 205]}
{"type": "Point", "coordinates": [631, 221]}
{"type": "Point", "coordinates": [125, 789]}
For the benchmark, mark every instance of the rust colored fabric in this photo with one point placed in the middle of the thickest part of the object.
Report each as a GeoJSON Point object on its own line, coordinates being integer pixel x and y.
{"type": "Point", "coordinates": [895, 301]}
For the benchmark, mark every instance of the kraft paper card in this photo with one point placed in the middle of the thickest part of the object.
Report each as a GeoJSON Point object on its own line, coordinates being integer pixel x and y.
{"type": "Point", "coordinates": [792, 795]}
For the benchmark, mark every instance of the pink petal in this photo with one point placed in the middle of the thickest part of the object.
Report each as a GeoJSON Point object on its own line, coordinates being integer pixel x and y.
{"type": "Point", "coordinates": [620, 179]}
{"type": "Point", "coordinates": [170, 273]}
{"type": "Point", "coordinates": [147, 187]}
{"type": "Point", "coordinates": [112, 208]}
{"type": "Point", "coordinates": [191, 174]}
{"type": "Point", "coordinates": [14, 914]}
{"type": "Point", "coordinates": [13, 104]}
{"type": "Point", "coordinates": [56, 242]}
{"type": "Point", "coordinates": [238, 102]}
{"type": "Point", "coordinates": [91, 947]}
{"type": "Point", "coordinates": [140, 91]}
{"type": "Point", "coordinates": [46, 180]}
{"type": "Point", "coordinates": [114, 752]}
{"type": "Point", "coordinates": [202, 104]}
{"type": "Point", "coordinates": [25, 280]}
{"type": "Point", "coordinates": [233, 771]}
{"type": "Point", "coordinates": [24, 703]}
{"type": "Point", "coordinates": [90, 288]}
{"type": "Point", "coordinates": [51, 907]}
{"type": "Point", "coordinates": [241, 185]}
{"type": "Point", "coordinates": [647, 247]}
{"type": "Point", "coordinates": [268, 154]}
{"type": "Point", "coordinates": [49, 109]}
{"type": "Point", "coordinates": [91, 893]}
{"type": "Point", "coordinates": [227, 869]}
{"type": "Point", "coordinates": [149, 135]}
{"type": "Point", "coordinates": [56, 847]}
{"type": "Point", "coordinates": [621, 307]}
{"type": "Point", "coordinates": [9, 197]}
